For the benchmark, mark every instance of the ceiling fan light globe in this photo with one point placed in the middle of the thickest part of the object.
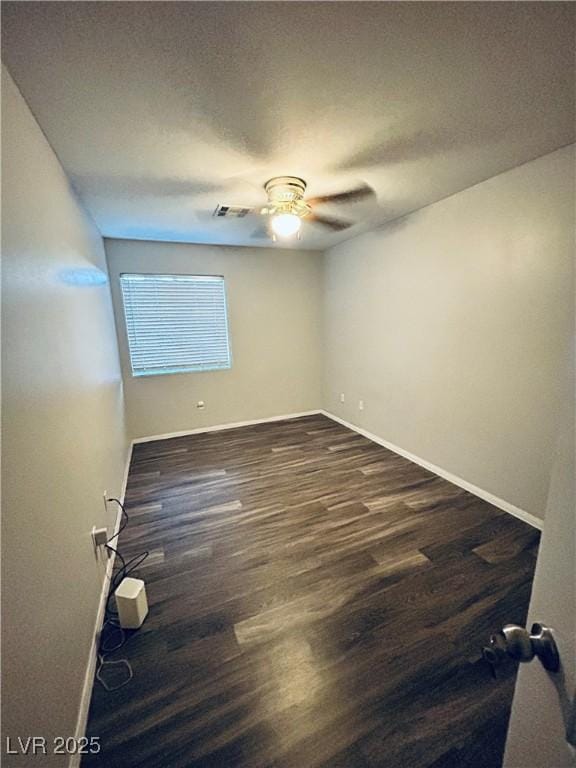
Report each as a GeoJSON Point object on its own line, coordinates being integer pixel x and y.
{"type": "Point", "coordinates": [286, 224]}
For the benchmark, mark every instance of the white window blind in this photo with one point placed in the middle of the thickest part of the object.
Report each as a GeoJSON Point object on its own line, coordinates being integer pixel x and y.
{"type": "Point", "coordinates": [175, 323]}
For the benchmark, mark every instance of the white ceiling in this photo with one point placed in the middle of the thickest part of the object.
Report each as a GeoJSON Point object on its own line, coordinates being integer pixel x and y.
{"type": "Point", "coordinates": [161, 110]}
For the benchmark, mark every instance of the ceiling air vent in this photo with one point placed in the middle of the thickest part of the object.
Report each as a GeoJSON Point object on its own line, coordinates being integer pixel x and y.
{"type": "Point", "coordinates": [231, 211]}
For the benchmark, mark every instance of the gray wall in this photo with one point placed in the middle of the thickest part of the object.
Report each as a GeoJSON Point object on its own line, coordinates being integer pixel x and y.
{"type": "Point", "coordinates": [63, 437]}
{"type": "Point", "coordinates": [274, 310]}
{"type": "Point", "coordinates": [452, 325]}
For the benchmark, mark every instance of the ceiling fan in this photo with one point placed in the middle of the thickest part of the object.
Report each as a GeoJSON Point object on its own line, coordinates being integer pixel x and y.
{"type": "Point", "coordinates": [286, 207]}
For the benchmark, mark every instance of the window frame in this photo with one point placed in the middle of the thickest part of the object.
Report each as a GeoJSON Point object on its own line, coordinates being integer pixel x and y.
{"type": "Point", "coordinates": [168, 372]}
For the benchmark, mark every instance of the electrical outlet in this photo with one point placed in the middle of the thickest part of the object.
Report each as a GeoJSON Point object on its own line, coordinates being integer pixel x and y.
{"type": "Point", "coordinates": [360, 405]}
{"type": "Point", "coordinates": [342, 398]}
{"type": "Point", "coordinates": [99, 536]}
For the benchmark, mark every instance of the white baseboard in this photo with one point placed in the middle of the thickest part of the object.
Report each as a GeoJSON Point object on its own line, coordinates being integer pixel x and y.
{"type": "Point", "coordinates": [220, 427]}
{"type": "Point", "coordinates": [527, 517]}
{"type": "Point", "coordinates": [93, 657]}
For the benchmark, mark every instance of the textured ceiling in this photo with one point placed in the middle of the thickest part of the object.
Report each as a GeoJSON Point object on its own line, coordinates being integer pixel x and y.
{"type": "Point", "coordinates": [160, 111]}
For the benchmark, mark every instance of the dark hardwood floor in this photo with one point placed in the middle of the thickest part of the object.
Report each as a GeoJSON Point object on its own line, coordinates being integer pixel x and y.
{"type": "Point", "coordinates": [316, 601]}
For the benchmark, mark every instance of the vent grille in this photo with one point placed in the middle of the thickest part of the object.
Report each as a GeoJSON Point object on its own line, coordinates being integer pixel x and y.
{"type": "Point", "coordinates": [231, 211]}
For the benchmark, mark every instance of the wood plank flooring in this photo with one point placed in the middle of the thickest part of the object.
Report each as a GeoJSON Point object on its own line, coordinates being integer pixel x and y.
{"type": "Point", "coordinates": [316, 601]}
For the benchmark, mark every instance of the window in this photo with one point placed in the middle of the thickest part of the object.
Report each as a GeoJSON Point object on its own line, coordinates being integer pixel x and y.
{"type": "Point", "coordinates": [175, 323]}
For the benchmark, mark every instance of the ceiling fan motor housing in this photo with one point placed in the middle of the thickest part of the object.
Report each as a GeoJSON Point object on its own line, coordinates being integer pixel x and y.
{"type": "Point", "coordinates": [286, 195]}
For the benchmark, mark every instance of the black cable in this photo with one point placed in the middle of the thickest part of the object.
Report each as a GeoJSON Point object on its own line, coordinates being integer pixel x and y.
{"type": "Point", "coordinates": [126, 568]}
{"type": "Point", "coordinates": [111, 615]}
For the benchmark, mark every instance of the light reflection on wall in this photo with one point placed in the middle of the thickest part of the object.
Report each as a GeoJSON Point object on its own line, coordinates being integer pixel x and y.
{"type": "Point", "coordinates": [83, 276]}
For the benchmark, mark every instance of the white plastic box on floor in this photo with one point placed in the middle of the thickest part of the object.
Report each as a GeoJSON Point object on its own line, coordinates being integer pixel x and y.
{"type": "Point", "coordinates": [131, 603]}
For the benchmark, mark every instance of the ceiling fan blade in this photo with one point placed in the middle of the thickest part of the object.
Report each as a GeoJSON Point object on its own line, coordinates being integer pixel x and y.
{"type": "Point", "coordinates": [328, 221]}
{"type": "Point", "coordinates": [261, 231]}
{"type": "Point", "coordinates": [351, 196]}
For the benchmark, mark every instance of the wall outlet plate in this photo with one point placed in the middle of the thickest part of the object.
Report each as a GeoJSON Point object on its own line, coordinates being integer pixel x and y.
{"type": "Point", "coordinates": [99, 536]}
